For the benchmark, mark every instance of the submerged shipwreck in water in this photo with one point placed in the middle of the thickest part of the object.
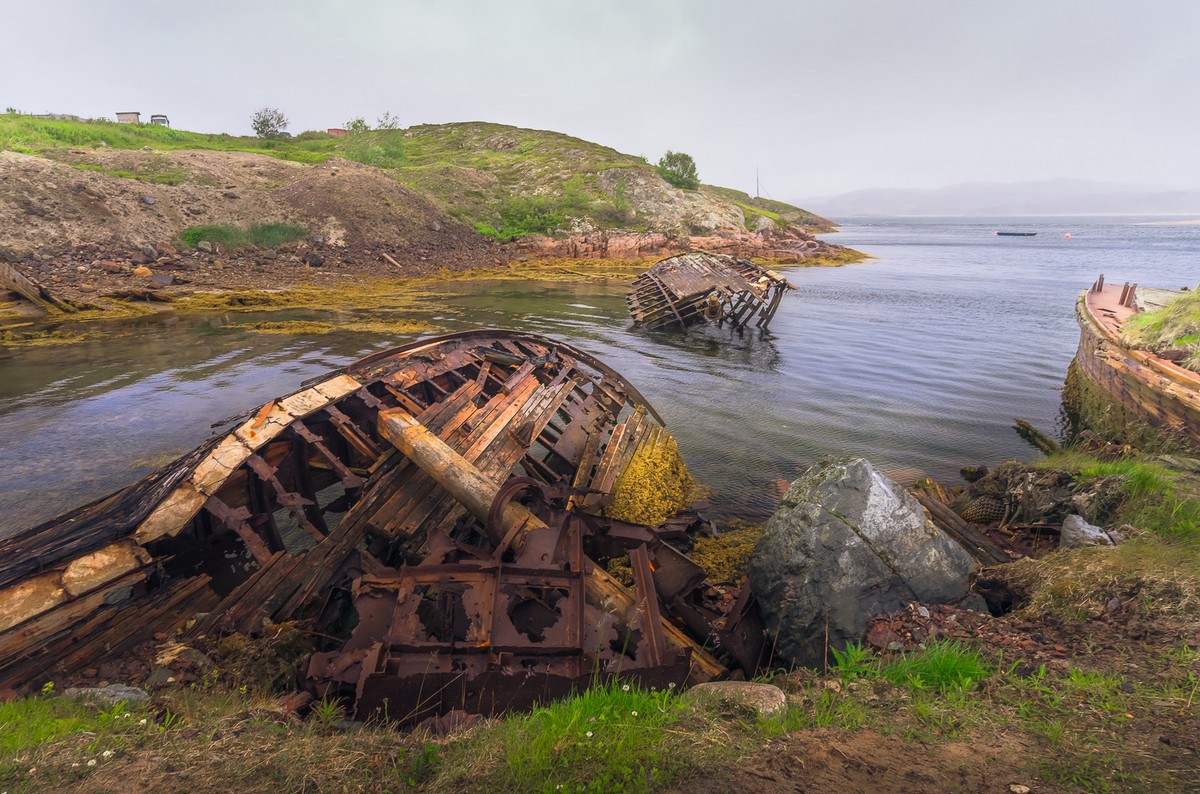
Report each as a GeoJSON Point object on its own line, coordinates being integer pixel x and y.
{"type": "Point", "coordinates": [1138, 396]}
{"type": "Point", "coordinates": [695, 288]}
{"type": "Point", "coordinates": [438, 512]}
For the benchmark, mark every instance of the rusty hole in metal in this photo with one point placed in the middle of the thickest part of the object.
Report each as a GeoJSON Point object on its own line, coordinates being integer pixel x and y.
{"type": "Point", "coordinates": [442, 612]}
{"type": "Point", "coordinates": [533, 610]}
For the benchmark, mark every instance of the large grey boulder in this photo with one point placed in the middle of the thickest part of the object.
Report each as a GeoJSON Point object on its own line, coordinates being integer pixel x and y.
{"type": "Point", "coordinates": [847, 543]}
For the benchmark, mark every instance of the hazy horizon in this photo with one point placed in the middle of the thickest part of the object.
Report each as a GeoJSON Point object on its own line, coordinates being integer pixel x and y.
{"type": "Point", "coordinates": [821, 98]}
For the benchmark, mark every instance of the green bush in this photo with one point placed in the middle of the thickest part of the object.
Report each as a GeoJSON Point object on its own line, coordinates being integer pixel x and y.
{"type": "Point", "coordinates": [522, 215]}
{"type": "Point", "coordinates": [679, 169]}
{"type": "Point", "coordinates": [233, 238]}
{"type": "Point", "coordinates": [382, 149]}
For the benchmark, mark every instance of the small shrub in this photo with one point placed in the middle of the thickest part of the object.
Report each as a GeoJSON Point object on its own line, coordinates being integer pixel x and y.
{"type": "Point", "coordinates": [854, 662]}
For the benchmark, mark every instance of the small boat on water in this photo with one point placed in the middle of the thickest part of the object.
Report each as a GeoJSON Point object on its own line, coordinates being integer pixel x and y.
{"type": "Point", "coordinates": [1015, 234]}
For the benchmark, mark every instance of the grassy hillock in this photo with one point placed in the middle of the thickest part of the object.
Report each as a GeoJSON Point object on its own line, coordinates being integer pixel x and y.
{"type": "Point", "coordinates": [504, 181]}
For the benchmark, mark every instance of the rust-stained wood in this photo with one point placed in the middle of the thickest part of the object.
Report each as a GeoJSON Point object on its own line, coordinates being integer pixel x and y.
{"type": "Point", "coordinates": [475, 491]}
{"type": "Point", "coordinates": [312, 463]}
{"type": "Point", "coordinates": [700, 287]}
{"type": "Point", "coordinates": [1147, 389]}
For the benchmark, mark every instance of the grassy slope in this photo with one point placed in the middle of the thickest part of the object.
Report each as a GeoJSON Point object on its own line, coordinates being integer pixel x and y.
{"type": "Point", "coordinates": [775, 210]}
{"type": "Point", "coordinates": [490, 174]}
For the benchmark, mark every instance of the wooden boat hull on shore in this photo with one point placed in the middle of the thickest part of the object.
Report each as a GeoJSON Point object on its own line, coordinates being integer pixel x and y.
{"type": "Point", "coordinates": [310, 496]}
{"type": "Point", "coordinates": [1129, 395]}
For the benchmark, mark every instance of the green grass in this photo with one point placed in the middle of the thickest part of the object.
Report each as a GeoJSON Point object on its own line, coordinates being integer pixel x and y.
{"type": "Point", "coordinates": [28, 723]}
{"type": "Point", "coordinates": [233, 238]}
{"type": "Point", "coordinates": [610, 738]}
{"type": "Point", "coordinates": [942, 665]}
{"type": "Point", "coordinates": [1177, 325]}
{"type": "Point", "coordinates": [21, 133]}
{"type": "Point", "coordinates": [1158, 499]}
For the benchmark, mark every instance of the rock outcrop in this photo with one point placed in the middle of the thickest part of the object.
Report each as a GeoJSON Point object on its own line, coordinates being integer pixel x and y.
{"type": "Point", "coordinates": [846, 544]}
{"type": "Point", "coordinates": [785, 246]}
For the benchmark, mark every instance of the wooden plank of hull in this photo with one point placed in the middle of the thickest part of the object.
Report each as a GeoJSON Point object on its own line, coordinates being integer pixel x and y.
{"type": "Point", "coordinates": [1147, 389]}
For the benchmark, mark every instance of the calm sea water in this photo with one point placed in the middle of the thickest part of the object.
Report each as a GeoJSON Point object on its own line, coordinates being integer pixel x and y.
{"type": "Point", "coordinates": [918, 360]}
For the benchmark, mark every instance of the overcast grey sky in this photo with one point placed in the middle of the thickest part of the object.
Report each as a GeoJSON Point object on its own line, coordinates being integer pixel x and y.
{"type": "Point", "coordinates": [823, 96]}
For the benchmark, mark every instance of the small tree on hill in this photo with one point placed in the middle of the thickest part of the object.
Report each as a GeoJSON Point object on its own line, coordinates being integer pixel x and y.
{"type": "Point", "coordinates": [679, 169]}
{"type": "Point", "coordinates": [268, 122]}
{"type": "Point", "coordinates": [356, 126]}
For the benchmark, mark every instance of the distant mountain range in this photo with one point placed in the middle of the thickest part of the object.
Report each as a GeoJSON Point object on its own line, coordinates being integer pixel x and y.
{"type": "Point", "coordinates": [1053, 197]}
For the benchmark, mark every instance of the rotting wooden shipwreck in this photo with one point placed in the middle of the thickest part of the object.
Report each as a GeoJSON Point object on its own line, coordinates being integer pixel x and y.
{"type": "Point", "coordinates": [694, 288]}
{"type": "Point", "coordinates": [445, 499]}
{"type": "Point", "coordinates": [1131, 395]}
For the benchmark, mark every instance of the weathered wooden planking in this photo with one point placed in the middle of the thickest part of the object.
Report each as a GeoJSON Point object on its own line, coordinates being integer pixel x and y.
{"type": "Point", "coordinates": [1146, 389]}
{"type": "Point", "coordinates": [30, 290]}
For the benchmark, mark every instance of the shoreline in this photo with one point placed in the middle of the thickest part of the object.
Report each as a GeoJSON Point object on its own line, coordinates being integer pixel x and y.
{"type": "Point", "coordinates": [21, 327]}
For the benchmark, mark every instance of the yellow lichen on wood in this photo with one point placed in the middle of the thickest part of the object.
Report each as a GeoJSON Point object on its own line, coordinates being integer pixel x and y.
{"type": "Point", "coordinates": [655, 486]}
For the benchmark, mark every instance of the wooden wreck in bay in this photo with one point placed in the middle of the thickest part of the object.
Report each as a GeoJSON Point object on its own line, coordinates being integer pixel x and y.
{"type": "Point", "coordinates": [1131, 395]}
{"type": "Point", "coordinates": [695, 288]}
{"type": "Point", "coordinates": [446, 498]}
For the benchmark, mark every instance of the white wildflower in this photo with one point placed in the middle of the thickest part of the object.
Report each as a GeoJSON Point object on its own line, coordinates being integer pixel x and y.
{"type": "Point", "coordinates": [107, 754]}
{"type": "Point", "coordinates": [91, 762]}
{"type": "Point", "coordinates": [589, 734]}
{"type": "Point", "coordinates": [142, 722]}
{"type": "Point", "coordinates": [634, 713]}
{"type": "Point", "coordinates": [625, 688]}
{"type": "Point", "coordinates": [671, 685]}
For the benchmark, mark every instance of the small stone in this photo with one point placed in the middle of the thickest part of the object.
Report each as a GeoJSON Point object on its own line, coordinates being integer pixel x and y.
{"type": "Point", "coordinates": [143, 272]}
{"type": "Point", "coordinates": [110, 695]}
{"type": "Point", "coordinates": [923, 612]}
{"type": "Point", "coordinates": [149, 200]}
{"type": "Point", "coordinates": [762, 698]}
{"type": "Point", "coordinates": [149, 252]}
{"type": "Point", "coordinates": [166, 249]}
{"type": "Point", "coordinates": [1076, 532]}
{"type": "Point", "coordinates": [1018, 788]}
{"type": "Point", "coordinates": [314, 259]}
{"type": "Point", "coordinates": [1113, 605]}
{"type": "Point", "coordinates": [229, 194]}
{"type": "Point", "coordinates": [82, 268]}
{"type": "Point", "coordinates": [318, 239]}
{"type": "Point", "coordinates": [205, 246]}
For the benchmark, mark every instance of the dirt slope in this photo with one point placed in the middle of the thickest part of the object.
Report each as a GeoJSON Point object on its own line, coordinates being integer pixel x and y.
{"type": "Point", "coordinates": [49, 205]}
